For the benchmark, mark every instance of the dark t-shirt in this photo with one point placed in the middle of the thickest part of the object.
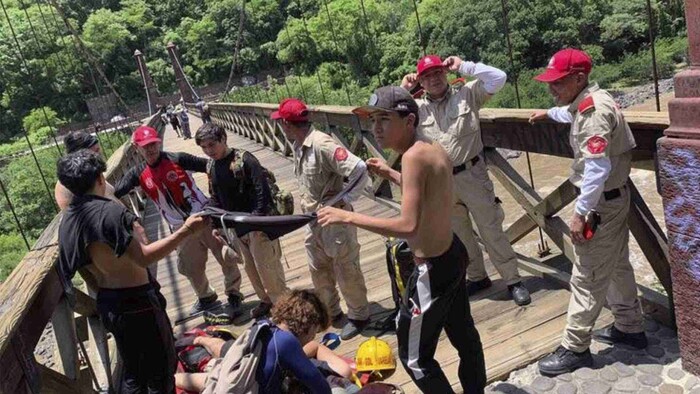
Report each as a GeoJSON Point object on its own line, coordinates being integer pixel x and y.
{"type": "Point", "coordinates": [238, 188]}
{"type": "Point", "coordinates": [89, 219]}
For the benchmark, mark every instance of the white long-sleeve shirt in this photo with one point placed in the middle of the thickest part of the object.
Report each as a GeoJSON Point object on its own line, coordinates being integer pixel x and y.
{"type": "Point", "coordinates": [493, 78]}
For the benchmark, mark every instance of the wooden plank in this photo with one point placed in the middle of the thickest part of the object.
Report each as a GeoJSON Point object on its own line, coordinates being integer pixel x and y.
{"type": "Point", "coordinates": [66, 339]}
{"type": "Point", "coordinates": [55, 383]}
{"type": "Point", "coordinates": [554, 227]}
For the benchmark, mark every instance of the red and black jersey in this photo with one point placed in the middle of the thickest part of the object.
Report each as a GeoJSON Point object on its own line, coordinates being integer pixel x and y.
{"type": "Point", "coordinates": [169, 184]}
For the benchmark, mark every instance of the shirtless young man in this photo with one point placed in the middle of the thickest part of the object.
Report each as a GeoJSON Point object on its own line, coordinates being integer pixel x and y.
{"type": "Point", "coordinates": [104, 240]}
{"type": "Point", "coordinates": [436, 295]}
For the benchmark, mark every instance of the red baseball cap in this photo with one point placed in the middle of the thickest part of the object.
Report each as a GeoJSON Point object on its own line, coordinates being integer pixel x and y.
{"type": "Point", "coordinates": [428, 63]}
{"type": "Point", "coordinates": [144, 135]}
{"type": "Point", "coordinates": [291, 109]}
{"type": "Point", "coordinates": [565, 62]}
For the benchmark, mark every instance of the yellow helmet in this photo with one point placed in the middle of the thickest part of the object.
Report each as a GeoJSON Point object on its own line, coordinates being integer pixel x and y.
{"type": "Point", "coordinates": [374, 355]}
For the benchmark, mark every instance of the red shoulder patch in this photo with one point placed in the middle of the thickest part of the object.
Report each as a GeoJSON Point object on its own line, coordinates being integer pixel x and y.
{"type": "Point", "coordinates": [596, 144]}
{"type": "Point", "coordinates": [341, 154]}
{"type": "Point", "coordinates": [586, 105]}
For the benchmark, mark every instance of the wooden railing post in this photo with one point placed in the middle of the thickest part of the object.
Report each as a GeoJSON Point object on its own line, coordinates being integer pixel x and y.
{"type": "Point", "coordinates": [66, 338]}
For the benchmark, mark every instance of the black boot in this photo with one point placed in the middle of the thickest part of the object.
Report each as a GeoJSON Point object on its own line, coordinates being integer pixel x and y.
{"type": "Point", "coordinates": [475, 287]}
{"type": "Point", "coordinates": [564, 360]}
{"type": "Point", "coordinates": [613, 336]}
{"type": "Point", "coordinates": [205, 304]}
{"type": "Point", "coordinates": [520, 294]}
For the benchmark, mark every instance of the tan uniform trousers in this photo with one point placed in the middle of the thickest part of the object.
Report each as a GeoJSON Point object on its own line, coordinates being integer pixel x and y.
{"type": "Point", "coordinates": [261, 259]}
{"type": "Point", "coordinates": [192, 256]}
{"type": "Point", "coordinates": [603, 272]}
{"type": "Point", "coordinates": [334, 256]}
{"type": "Point", "coordinates": [474, 194]}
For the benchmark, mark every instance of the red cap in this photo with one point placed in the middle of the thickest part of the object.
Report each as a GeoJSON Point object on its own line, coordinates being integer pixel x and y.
{"type": "Point", "coordinates": [144, 135]}
{"type": "Point", "coordinates": [428, 63]}
{"type": "Point", "coordinates": [291, 109]}
{"type": "Point", "coordinates": [565, 62]}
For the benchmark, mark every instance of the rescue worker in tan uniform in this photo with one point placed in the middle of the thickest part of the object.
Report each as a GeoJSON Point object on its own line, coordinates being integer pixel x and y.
{"type": "Point", "coordinates": [602, 143]}
{"type": "Point", "coordinates": [451, 117]}
{"type": "Point", "coordinates": [320, 164]}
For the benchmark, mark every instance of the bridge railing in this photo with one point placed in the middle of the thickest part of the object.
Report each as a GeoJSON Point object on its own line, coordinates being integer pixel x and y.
{"type": "Point", "coordinates": [32, 296]}
{"type": "Point", "coordinates": [501, 128]}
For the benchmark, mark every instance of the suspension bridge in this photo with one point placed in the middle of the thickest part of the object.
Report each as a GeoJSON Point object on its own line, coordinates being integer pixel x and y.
{"type": "Point", "coordinates": [512, 336]}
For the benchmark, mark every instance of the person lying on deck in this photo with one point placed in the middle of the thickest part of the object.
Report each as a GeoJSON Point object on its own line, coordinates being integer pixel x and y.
{"type": "Point", "coordinates": [287, 348]}
{"type": "Point", "coordinates": [105, 241]}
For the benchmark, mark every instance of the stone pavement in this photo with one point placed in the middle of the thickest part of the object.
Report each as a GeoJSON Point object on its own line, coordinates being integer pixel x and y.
{"type": "Point", "coordinates": [619, 369]}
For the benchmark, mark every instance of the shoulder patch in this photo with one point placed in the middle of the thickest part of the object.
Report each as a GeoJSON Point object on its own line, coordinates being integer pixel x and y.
{"type": "Point", "coordinates": [341, 154]}
{"type": "Point", "coordinates": [596, 145]}
{"type": "Point", "coordinates": [586, 105]}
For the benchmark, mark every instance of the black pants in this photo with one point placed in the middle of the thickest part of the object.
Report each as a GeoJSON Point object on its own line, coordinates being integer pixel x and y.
{"type": "Point", "coordinates": [141, 328]}
{"type": "Point", "coordinates": [436, 298]}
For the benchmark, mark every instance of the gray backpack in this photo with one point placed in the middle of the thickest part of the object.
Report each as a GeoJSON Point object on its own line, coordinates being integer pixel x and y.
{"type": "Point", "coordinates": [235, 372]}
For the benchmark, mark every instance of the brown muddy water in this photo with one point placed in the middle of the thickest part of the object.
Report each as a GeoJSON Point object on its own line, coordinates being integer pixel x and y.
{"type": "Point", "coordinates": [548, 173]}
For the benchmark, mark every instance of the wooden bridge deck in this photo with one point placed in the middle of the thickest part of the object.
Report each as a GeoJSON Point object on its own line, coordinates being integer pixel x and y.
{"type": "Point", "coordinates": [512, 336]}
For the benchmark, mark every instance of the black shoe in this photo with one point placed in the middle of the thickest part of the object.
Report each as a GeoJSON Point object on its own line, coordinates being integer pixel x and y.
{"type": "Point", "coordinates": [475, 287]}
{"type": "Point", "coordinates": [205, 304]}
{"type": "Point", "coordinates": [519, 293]}
{"type": "Point", "coordinates": [353, 328]}
{"type": "Point", "coordinates": [386, 324]}
{"type": "Point", "coordinates": [234, 301]}
{"type": "Point", "coordinates": [564, 360]}
{"type": "Point", "coordinates": [613, 336]}
{"type": "Point", "coordinates": [261, 310]}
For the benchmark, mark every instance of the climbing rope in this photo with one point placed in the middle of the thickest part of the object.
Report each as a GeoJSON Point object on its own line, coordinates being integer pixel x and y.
{"type": "Point", "coordinates": [420, 29]}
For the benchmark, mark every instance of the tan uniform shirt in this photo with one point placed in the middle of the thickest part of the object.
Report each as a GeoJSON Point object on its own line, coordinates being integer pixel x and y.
{"type": "Point", "coordinates": [453, 121]}
{"type": "Point", "coordinates": [600, 130]}
{"type": "Point", "coordinates": [320, 164]}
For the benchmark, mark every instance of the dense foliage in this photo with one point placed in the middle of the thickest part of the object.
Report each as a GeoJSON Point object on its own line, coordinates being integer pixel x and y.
{"type": "Point", "coordinates": [330, 51]}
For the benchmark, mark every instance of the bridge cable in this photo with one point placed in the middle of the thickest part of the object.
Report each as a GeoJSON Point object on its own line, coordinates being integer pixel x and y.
{"type": "Point", "coordinates": [420, 29]}
{"type": "Point", "coordinates": [543, 248]}
{"type": "Point", "coordinates": [53, 36]}
{"type": "Point", "coordinates": [303, 91]}
{"type": "Point", "coordinates": [337, 48]}
{"type": "Point", "coordinates": [652, 44]}
{"type": "Point", "coordinates": [234, 62]}
{"type": "Point", "coordinates": [83, 53]}
{"type": "Point", "coordinates": [318, 76]}
{"type": "Point", "coordinates": [76, 66]}
{"type": "Point", "coordinates": [22, 58]}
{"type": "Point", "coordinates": [14, 214]}
{"type": "Point", "coordinates": [26, 135]}
{"type": "Point", "coordinates": [370, 38]}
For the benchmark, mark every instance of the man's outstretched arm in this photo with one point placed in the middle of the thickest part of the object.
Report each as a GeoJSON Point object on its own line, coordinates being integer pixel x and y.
{"type": "Point", "coordinates": [146, 254]}
{"type": "Point", "coordinates": [403, 226]}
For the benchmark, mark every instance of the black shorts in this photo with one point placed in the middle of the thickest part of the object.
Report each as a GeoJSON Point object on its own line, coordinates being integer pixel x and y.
{"type": "Point", "coordinates": [143, 333]}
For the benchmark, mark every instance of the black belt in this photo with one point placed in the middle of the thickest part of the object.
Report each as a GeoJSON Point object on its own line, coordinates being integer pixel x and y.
{"type": "Point", "coordinates": [610, 194]}
{"type": "Point", "coordinates": [463, 166]}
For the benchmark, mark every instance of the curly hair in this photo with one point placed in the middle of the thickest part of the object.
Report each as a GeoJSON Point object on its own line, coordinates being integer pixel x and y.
{"type": "Point", "coordinates": [302, 311]}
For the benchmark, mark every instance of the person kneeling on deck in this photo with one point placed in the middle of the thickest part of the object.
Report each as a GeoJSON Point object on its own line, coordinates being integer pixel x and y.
{"type": "Point", "coordinates": [320, 165]}
{"type": "Point", "coordinates": [237, 183]}
{"type": "Point", "coordinates": [436, 294]}
{"type": "Point", "coordinates": [450, 116]}
{"type": "Point", "coordinates": [104, 240]}
{"type": "Point", "coordinates": [602, 142]}
{"type": "Point", "coordinates": [166, 179]}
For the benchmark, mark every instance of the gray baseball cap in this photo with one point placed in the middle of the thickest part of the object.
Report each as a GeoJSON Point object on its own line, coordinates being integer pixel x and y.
{"type": "Point", "coordinates": [388, 99]}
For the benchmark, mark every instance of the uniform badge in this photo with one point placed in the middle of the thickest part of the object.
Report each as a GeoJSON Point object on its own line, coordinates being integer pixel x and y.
{"type": "Point", "coordinates": [150, 184]}
{"type": "Point", "coordinates": [341, 154]}
{"type": "Point", "coordinates": [586, 105]}
{"type": "Point", "coordinates": [596, 144]}
{"type": "Point", "coordinates": [172, 176]}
